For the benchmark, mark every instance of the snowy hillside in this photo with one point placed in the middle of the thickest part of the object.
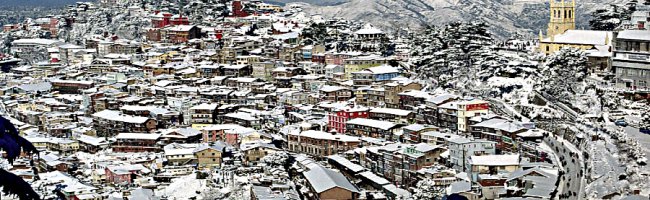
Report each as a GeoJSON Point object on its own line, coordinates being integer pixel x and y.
{"type": "Point", "coordinates": [504, 16]}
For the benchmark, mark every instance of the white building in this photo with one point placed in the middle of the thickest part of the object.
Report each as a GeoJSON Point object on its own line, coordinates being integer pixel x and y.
{"type": "Point", "coordinates": [460, 150]}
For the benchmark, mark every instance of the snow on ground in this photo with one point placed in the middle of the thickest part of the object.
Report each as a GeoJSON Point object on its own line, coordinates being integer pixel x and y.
{"type": "Point", "coordinates": [611, 171]}
{"type": "Point", "coordinates": [185, 187]}
{"type": "Point", "coordinates": [643, 139]}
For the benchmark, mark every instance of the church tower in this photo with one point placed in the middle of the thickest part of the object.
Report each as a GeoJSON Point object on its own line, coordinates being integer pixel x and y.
{"type": "Point", "coordinates": [562, 17]}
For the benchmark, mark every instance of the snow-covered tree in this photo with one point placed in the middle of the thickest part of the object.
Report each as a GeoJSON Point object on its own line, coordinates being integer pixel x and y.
{"type": "Point", "coordinates": [446, 55]}
{"type": "Point", "coordinates": [609, 18]}
{"type": "Point", "coordinates": [563, 74]}
{"type": "Point", "coordinates": [645, 119]}
{"type": "Point", "coordinates": [426, 189]}
{"type": "Point", "coordinates": [279, 158]}
{"type": "Point", "coordinates": [314, 33]}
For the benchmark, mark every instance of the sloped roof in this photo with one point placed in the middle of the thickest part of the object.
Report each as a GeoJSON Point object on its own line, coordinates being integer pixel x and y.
{"type": "Point", "coordinates": [346, 163]}
{"type": "Point", "coordinates": [368, 29]}
{"type": "Point", "coordinates": [393, 111]}
{"type": "Point", "coordinates": [322, 179]}
{"type": "Point", "coordinates": [140, 136]}
{"type": "Point", "coordinates": [219, 146]}
{"type": "Point", "coordinates": [114, 115]}
{"type": "Point", "coordinates": [501, 124]}
{"type": "Point", "coordinates": [634, 35]}
{"type": "Point", "coordinates": [587, 37]}
{"type": "Point", "coordinates": [384, 125]}
{"type": "Point", "coordinates": [186, 132]}
{"type": "Point", "coordinates": [495, 160]}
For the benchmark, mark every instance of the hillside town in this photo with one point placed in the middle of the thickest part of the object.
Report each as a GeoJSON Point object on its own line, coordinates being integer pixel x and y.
{"type": "Point", "coordinates": [243, 99]}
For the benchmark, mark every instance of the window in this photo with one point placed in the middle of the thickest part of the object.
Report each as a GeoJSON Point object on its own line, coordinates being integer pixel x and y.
{"type": "Point", "coordinates": [631, 72]}
{"type": "Point", "coordinates": [548, 48]}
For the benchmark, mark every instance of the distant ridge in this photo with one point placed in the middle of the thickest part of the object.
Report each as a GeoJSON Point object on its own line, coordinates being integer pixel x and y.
{"type": "Point", "coordinates": [38, 3]}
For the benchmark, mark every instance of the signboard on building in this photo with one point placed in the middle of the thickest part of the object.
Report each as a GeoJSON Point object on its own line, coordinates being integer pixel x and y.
{"type": "Point", "coordinates": [481, 106]}
{"type": "Point", "coordinates": [638, 57]}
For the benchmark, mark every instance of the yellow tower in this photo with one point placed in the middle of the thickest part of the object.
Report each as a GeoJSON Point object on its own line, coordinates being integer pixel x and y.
{"type": "Point", "coordinates": [562, 17]}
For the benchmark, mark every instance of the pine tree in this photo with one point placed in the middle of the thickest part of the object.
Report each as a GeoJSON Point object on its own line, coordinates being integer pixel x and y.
{"type": "Point", "coordinates": [563, 73]}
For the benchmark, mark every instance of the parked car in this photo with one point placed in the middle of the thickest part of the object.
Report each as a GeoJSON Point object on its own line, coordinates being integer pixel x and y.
{"type": "Point", "coordinates": [620, 122]}
{"type": "Point", "coordinates": [645, 130]}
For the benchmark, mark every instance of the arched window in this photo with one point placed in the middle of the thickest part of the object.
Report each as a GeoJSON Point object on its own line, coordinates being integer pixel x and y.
{"type": "Point", "coordinates": [570, 14]}
{"type": "Point", "coordinates": [565, 15]}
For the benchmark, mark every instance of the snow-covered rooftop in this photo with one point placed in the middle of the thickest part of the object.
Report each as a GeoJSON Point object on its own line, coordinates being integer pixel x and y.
{"type": "Point", "coordinates": [494, 160]}
{"type": "Point", "coordinates": [634, 35]}
{"type": "Point", "coordinates": [585, 37]}
{"type": "Point", "coordinates": [384, 125]}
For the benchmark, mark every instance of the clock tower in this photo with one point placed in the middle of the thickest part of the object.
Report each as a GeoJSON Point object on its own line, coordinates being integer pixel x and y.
{"type": "Point", "coordinates": [562, 17]}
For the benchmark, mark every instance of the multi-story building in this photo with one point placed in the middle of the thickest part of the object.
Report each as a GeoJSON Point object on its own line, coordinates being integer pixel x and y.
{"type": "Point", "coordinates": [180, 33]}
{"type": "Point", "coordinates": [492, 164]}
{"type": "Point", "coordinates": [461, 148]}
{"type": "Point", "coordinates": [262, 70]}
{"type": "Point", "coordinates": [412, 96]}
{"type": "Point", "coordinates": [243, 118]}
{"type": "Point", "coordinates": [336, 93]}
{"type": "Point", "coordinates": [431, 114]}
{"type": "Point", "coordinates": [219, 132]}
{"type": "Point", "coordinates": [631, 60]}
{"type": "Point", "coordinates": [21, 46]}
{"type": "Point", "coordinates": [371, 128]}
{"type": "Point", "coordinates": [237, 70]}
{"type": "Point", "coordinates": [437, 138]}
{"type": "Point", "coordinates": [502, 131]}
{"type": "Point", "coordinates": [363, 62]}
{"type": "Point", "coordinates": [376, 97]}
{"type": "Point", "coordinates": [455, 115]}
{"type": "Point", "coordinates": [111, 122]}
{"type": "Point", "coordinates": [180, 135]}
{"type": "Point", "coordinates": [136, 142]}
{"type": "Point", "coordinates": [383, 73]}
{"type": "Point", "coordinates": [400, 162]}
{"type": "Point", "coordinates": [413, 132]}
{"type": "Point", "coordinates": [337, 119]}
{"type": "Point", "coordinates": [163, 116]}
{"type": "Point", "coordinates": [255, 151]}
{"type": "Point", "coordinates": [209, 155]}
{"type": "Point", "coordinates": [70, 86]}
{"type": "Point", "coordinates": [319, 143]}
{"type": "Point", "coordinates": [392, 114]}
{"type": "Point", "coordinates": [180, 154]}
{"type": "Point", "coordinates": [204, 114]}
{"type": "Point", "coordinates": [394, 97]}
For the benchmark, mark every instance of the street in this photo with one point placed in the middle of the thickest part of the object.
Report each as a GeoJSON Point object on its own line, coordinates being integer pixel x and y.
{"type": "Point", "coordinates": [570, 158]}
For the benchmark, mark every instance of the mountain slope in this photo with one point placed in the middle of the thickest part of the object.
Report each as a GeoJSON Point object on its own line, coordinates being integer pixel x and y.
{"type": "Point", "coordinates": [505, 17]}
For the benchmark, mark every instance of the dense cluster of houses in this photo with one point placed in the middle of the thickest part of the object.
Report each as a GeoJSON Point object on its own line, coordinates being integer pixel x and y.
{"type": "Point", "coordinates": [133, 115]}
